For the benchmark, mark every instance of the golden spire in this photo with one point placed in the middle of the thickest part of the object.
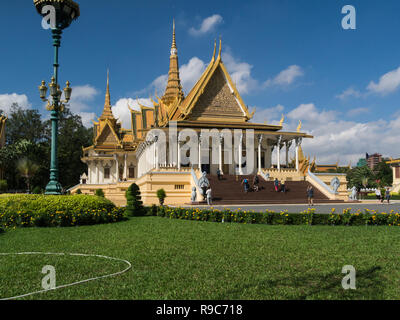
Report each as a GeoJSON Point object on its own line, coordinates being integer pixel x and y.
{"type": "Point", "coordinates": [215, 50]}
{"type": "Point", "coordinates": [299, 126]}
{"type": "Point", "coordinates": [107, 112]}
{"type": "Point", "coordinates": [282, 120]}
{"type": "Point", "coordinates": [173, 36]}
{"type": "Point", "coordinates": [220, 48]}
{"type": "Point", "coordinates": [174, 88]}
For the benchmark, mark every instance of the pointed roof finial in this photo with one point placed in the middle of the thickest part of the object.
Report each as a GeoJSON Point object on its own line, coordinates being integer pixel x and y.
{"type": "Point", "coordinates": [220, 47]}
{"type": "Point", "coordinates": [215, 50]}
{"type": "Point", "coordinates": [107, 112]}
{"type": "Point", "coordinates": [173, 35]}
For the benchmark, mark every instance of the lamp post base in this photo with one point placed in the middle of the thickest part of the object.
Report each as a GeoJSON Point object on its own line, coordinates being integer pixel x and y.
{"type": "Point", "coordinates": [54, 188]}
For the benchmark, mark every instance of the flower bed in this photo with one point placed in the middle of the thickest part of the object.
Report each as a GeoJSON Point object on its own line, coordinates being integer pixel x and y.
{"type": "Point", "coordinates": [308, 217]}
{"type": "Point", "coordinates": [56, 211]}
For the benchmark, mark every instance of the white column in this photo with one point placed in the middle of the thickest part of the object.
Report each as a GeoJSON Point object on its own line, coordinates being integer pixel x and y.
{"type": "Point", "coordinates": [287, 144]}
{"type": "Point", "coordinates": [259, 153]}
{"type": "Point", "coordinates": [97, 172]}
{"type": "Point", "coordinates": [125, 166]}
{"type": "Point", "coordinates": [279, 153]}
{"type": "Point", "coordinates": [220, 153]}
{"type": "Point", "coordinates": [200, 152]}
{"type": "Point", "coordinates": [240, 154]}
{"type": "Point", "coordinates": [179, 155]}
{"type": "Point", "coordinates": [117, 168]}
{"type": "Point", "coordinates": [89, 173]}
{"type": "Point", "coordinates": [298, 143]}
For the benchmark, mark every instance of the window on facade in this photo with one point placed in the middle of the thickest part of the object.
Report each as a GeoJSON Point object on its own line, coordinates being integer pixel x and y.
{"type": "Point", "coordinates": [179, 187]}
{"type": "Point", "coordinates": [397, 173]}
{"type": "Point", "coordinates": [131, 173]}
{"type": "Point", "coordinates": [106, 173]}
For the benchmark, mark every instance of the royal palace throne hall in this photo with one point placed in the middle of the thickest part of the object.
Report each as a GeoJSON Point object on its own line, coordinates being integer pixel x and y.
{"type": "Point", "coordinates": [122, 156]}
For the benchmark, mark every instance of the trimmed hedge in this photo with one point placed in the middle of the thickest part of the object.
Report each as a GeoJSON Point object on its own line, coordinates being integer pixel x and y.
{"type": "Point", "coordinates": [56, 211]}
{"type": "Point", "coordinates": [308, 217]}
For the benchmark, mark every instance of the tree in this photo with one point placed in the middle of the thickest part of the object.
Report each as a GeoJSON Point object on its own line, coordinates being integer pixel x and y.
{"type": "Point", "coordinates": [27, 170]}
{"type": "Point", "coordinates": [134, 207]}
{"type": "Point", "coordinates": [161, 195]}
{"type": "Point", "coordinates": [358, 175]}
{"type": "Point", "coordinates": [71, 138]}
{"type": "Point", "coordinates": [24, 124]}
{"type": "Point", "coordinates": [384, 174]}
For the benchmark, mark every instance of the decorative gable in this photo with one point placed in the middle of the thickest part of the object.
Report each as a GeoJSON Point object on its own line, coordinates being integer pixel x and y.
{"type": "Point", "coordinates": [107, 137]}
{"type": "Point", "coordinates": [217, 101]}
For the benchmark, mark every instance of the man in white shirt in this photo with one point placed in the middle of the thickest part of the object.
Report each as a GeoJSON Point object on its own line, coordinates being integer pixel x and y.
{"type": "Point", "coordinates": [378, 194]}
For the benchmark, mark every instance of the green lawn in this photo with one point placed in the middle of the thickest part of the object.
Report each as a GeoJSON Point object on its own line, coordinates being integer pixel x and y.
{"type": "Point", "coordinates": [174, 259]}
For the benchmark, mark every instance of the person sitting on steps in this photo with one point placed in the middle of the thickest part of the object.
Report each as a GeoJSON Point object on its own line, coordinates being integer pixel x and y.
{"type": "Point", "coordinates": [255, 183]}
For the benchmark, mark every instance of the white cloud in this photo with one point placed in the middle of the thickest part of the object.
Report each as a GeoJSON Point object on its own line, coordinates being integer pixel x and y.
{"type": "Point", "coordinates": [121, 111]}
{"type": "Point", "coordinates": [269, 115]}
{"type": "Point", "coordinates": [350, 92]}
{"type": "Point", "coordinates": [388, 83]}
{"type": "Point", "coordinates": [240, 73]}
{"type": "Point", "coordinates": [79, 104]}
{"type": "Point", "coordinates": [6, 101]}
{"type": "Point", "coordinates": [340, 140]}
{"type": "Point", "coordinates": [286, 77]}
{"type": "Point", "coordinates": [207, 25]}
{"type": "Point", "coordinates": [357, 111]}
{"type": "Point", "coordinates": [311, 114]}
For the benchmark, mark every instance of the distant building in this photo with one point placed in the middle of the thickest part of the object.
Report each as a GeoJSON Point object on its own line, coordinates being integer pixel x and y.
{"type": "Point", "coordinates": [373, 160]}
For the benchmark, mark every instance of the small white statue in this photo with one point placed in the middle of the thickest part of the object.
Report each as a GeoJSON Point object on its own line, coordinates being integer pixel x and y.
{"type": "Point", "coordinates": [353, 195]}
{"type": "Point", "coordinates": [194, 194]}
{"type": "Point", "coordinates": [335, 184]}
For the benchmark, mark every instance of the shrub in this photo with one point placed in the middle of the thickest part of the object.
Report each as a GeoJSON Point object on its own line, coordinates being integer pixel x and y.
{"type": "Point", "coordinates": [161, 195]}
{"type": "Point", "coordinates": [37, 190]}
{"type": "Point", "coordinates": [56, 211]}
{"type": "Point", "coordinates": [152, 211]}
{"type": "Point", "coordinates": [134, 206]}
{"type": "Point", "coordinates": [78, 191]}
{"type": "Point", "coordinates": [3, 186]}
{"type": "Point", "coordinates": [308, 217]}
{"type": "Point", "coordinates": [100, 193]}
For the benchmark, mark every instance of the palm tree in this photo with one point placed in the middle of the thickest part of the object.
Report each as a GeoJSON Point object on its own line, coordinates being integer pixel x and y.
{"type": "Point", "coordinates": [27, 169]}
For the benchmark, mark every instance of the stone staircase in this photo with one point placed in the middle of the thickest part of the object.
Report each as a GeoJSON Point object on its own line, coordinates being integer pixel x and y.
{"type": "Point", "coordinates": [229, 190]}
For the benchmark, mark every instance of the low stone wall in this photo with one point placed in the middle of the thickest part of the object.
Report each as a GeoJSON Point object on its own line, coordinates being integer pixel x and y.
{"type": "Point", "coordinates": [177, 185]}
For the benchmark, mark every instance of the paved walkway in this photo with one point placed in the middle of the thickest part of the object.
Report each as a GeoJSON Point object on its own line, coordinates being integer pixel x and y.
{"type": "Point", "coordinates": [320, 208]}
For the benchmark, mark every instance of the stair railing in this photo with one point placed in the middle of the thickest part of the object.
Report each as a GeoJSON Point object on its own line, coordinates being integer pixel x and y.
{"type": "Point", "coordinates": [321, 183]}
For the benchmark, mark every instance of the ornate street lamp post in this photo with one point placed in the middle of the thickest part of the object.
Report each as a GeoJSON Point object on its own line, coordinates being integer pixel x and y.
{"type": "Point", "coordinates": [65, 12]}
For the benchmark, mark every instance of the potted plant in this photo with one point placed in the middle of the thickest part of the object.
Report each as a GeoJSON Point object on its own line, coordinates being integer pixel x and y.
{"type": "Point", "coordinates": [161, 195]}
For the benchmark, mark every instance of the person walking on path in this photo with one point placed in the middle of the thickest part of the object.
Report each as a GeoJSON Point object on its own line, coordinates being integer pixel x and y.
{"type": "Point", "coordinates": [310, 195]}
{"type": "Point", "coordinates": [378, 195]}
{"type": "Point", "coordinates": [209, 196]}
{"type": "Point", "coordinates": [276, 184]}
{"type": "Point", "coordinates": [219, 174]}
{"type": "Point", "coordinates": [387, 195]}
{"type": "Point", "coordinates": [283, 186]}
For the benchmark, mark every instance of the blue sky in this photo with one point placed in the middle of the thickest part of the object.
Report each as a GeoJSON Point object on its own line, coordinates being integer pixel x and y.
{"type": "Point", "coordinates": [286, 56]}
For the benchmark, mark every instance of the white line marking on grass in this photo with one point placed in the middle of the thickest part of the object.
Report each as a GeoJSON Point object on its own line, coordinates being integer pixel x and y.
{"type": "Point", "coordinates": [70, 284]}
